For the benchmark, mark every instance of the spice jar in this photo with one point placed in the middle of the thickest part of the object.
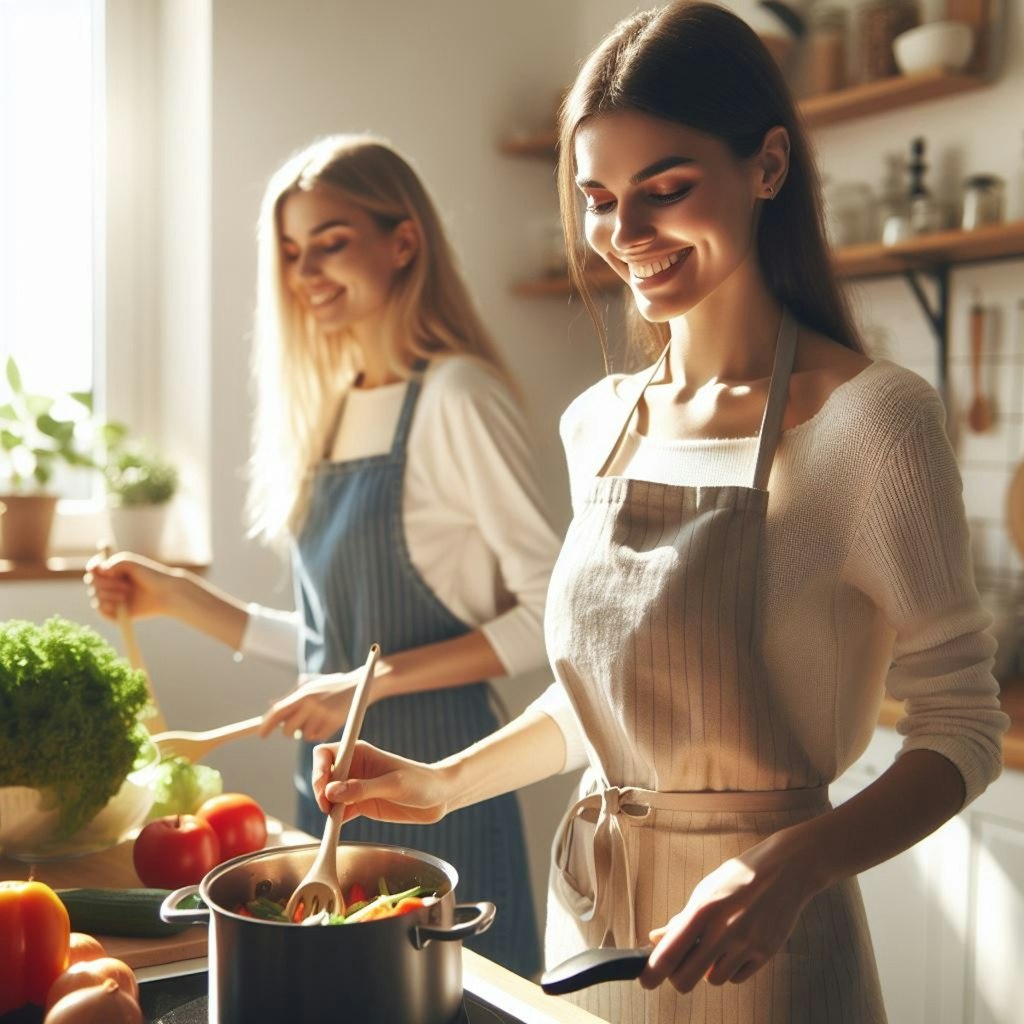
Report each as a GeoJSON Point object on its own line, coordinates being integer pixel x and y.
{"type": "Point", "coordinates": [983, 201]}
{"type": "Point", "coordinates": [879, 22]}
{"type": "Point", "coordinates": [826, 66]}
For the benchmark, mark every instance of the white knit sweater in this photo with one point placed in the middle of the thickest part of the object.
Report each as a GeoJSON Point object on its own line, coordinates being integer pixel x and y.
{"type": "Point", "coordinates": [865, 581]}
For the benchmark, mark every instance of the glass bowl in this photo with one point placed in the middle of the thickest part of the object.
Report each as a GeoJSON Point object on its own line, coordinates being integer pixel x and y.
{"type": "Point", "coordinates": [28, 817]}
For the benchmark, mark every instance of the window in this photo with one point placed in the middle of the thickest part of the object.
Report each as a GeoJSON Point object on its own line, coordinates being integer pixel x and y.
{"type": "Point", "coordinates": [51, 200]}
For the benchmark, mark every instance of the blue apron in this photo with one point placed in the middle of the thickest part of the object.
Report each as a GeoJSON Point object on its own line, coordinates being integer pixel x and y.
{"type": "Point", "coordinates": [355, 584]}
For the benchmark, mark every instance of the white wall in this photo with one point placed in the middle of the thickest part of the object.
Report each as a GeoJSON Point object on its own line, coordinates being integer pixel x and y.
{"type": "Point", "coordinates": [443, 81]}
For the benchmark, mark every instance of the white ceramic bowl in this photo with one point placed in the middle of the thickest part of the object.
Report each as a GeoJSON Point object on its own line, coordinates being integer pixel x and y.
{"type": "Point", "coordinates": [936, 46]}
{"type": "Point", "coordinates": [28, 819]}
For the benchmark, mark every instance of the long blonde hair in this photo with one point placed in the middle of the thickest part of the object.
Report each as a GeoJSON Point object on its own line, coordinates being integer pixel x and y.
{"type": "Point", "coordinates": [300, 373]}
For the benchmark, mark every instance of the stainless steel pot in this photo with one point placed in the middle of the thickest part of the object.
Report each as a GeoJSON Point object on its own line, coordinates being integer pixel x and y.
{"type": "Point", "coordinates": [404, 969]}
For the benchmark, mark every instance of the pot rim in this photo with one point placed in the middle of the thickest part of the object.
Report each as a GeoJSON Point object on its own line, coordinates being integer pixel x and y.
{"type": "Point", "coordinates": [247, 859]}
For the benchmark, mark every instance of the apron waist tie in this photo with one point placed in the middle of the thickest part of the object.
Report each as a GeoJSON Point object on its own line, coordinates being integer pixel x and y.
{"type": "Point", "coordinates": [611, 880]}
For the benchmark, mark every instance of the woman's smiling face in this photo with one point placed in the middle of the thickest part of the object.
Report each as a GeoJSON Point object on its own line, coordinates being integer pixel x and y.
{"type": "Point", "coordinates": [669, 208]}
{"type": "Point", "coordinates": [338, 262]}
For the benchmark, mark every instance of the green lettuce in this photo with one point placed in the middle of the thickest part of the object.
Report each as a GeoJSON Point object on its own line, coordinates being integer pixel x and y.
{"type": "Point", "coordinates": [181, 787]}
{"type": "Point", "coordinates": [69, 710]}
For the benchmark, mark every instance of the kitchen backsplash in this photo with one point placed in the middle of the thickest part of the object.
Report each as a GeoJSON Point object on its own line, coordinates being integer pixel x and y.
{"type": "Point", "coordinates": [987, 460]}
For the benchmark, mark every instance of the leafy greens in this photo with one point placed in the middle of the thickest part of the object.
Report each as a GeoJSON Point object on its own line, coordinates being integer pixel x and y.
{"type": "Point", "coordinates": [68, 715]}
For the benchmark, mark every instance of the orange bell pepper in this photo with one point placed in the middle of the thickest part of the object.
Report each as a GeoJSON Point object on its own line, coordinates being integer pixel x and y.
{"type": "Point", "coordinates": [34, 938]}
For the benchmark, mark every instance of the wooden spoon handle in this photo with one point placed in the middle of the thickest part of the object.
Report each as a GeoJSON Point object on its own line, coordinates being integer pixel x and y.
{"type": "Point", "coordinates": [354, 722]}
{"type": "Point", "coordinates": [156, 722]}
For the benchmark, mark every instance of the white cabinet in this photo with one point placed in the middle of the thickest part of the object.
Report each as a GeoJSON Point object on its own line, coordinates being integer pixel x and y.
{"type": "Point", "coordinates": [947, 916]}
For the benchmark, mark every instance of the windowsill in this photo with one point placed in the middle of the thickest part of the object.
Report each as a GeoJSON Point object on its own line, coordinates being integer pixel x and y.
{"type": "Point", "coordinates": [69, 567]}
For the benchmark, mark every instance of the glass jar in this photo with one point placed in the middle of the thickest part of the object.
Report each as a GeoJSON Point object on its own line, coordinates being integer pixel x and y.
{"type": "Point", "coordinates": [826, 63]}
{"type": "Point", "coordinates": [879, 22]}
{"type": "Point", "coordinates": [983, 201]}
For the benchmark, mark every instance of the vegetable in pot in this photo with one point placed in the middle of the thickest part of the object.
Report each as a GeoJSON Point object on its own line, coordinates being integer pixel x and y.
{"type": "Point", "coordinates": [68, 716]}
{"type": "Point", "coordinates": [34, 933]}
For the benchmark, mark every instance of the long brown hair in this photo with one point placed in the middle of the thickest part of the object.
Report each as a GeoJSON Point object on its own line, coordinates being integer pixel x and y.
{"type": "Point", "coordinates": [300, 373]}
{"type": "Point", "coordinates": [703, 67]}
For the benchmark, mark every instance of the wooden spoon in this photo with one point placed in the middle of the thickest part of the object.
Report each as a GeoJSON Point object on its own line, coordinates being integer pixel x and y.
{"type": "Point", "coordinates": [319, 889]}
{"type": "Point", "coordinates": [979, 415]}
{"type": "Point", "coordinates": [196, 745]}
{"type": "Point", "coordinates": [155, 722]}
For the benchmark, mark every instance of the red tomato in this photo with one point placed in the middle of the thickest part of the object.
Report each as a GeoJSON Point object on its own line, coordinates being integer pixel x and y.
{"type": "Point", "coordinates": [175, 851]}
{"type": "Point", "coordinates": [356, 894]}
{"type": "Point", "coordinates": [239, 822]}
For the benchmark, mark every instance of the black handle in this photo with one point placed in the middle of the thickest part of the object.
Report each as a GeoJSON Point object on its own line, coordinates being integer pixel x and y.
{"type": "Point", "coordinates": [594, 966]}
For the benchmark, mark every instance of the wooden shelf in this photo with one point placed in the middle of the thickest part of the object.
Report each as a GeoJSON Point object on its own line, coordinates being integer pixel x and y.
{"type": "Point", "coordinates": [537, 144]}
{"type": "Point", "coordinates": [818, 111]}
{"type": "Point", "coordinates": [885, 94]}
{"type": "Point", "coordinates": [943, 248]}
{"type": "Point", "coordinates": [67, 567]}
{"type": "Point", "coordinates": [602, 279]}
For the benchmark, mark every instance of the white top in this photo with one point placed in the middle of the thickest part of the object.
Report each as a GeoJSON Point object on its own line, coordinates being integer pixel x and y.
{"type": "Point", "coordinates": [865, 581]}
{"type": "Point", "coordinates": [471, 505]}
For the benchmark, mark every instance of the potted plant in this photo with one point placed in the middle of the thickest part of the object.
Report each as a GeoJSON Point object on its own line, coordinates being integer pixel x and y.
{"type": "Point", "coordinates": [140, 484]}
{"type": "Point", "coordinates": [34, 443]}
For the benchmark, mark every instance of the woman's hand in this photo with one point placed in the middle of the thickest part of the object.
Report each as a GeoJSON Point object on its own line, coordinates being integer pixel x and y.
{"type": "Point", "coordinates": [143, 586]}
{"type": "Point", "coordinates": [382, 786]}
{"type": "Point", "coordinates": [736, 920]}
{"type": "Point", "coordinates": [318, 708]}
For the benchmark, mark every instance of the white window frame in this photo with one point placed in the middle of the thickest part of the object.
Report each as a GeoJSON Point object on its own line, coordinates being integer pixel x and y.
{"type": "Point", "coordinates": [152, 336]}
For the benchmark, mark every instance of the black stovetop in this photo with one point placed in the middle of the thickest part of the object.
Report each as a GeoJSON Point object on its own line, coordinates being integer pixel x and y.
{"type": "Point", "coordinates": [182, 1000]}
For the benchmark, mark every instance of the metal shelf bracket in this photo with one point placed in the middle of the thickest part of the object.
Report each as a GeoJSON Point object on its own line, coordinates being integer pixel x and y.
{"type": "Point", "coordinates": [936, 313]}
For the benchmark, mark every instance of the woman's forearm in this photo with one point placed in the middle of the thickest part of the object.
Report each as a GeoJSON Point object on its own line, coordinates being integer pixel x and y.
{"type": "Point", "coordinates": [465, 659]}
{"type": "Point", "coordinates": [203, 606]}
{"type": "Point", "coordinates": [910, 800]}
{"type": "Point", "coordinates": [527, 750]}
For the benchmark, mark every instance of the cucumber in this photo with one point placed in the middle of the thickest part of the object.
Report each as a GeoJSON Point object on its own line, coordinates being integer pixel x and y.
{"type": "Point", "coordinates": [127, 912]}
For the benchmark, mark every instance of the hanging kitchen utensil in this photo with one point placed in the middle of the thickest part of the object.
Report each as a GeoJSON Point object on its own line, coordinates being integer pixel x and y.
{"type": "Point", "coordinates": [979, 415]}
{"type": "Point", "coordinates": [155, 722]}
{"type": "Point", "coordinates": [196, 745]}
{"type": "Point", "coordinates": [1015, 509]}
{"type": "Point", "coordinates": [320, 890]}
{"type": "Point", "coordinates": [593, 966]}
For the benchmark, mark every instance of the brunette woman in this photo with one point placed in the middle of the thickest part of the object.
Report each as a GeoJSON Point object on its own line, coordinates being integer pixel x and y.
{"type": "Point", "coordinates": [391, 455]}
{"type": "Point", "coordinates": [768, 533]}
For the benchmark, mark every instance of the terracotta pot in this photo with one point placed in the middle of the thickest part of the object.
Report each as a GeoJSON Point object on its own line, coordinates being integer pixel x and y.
{"type": "Point", "coordinates": [25, 524]}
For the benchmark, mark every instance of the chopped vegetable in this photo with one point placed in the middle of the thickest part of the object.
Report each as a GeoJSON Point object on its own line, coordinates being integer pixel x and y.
{"type": "Point", "coordinates": [380, 907]}
{"type": "Point", "coordinates": [68, 716]}
{"type": "Point", "coordinates": [182, 787]}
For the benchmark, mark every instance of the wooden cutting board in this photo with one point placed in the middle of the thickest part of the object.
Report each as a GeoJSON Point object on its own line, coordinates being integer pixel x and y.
{"type": "Point", "coordinates": [113, 869]}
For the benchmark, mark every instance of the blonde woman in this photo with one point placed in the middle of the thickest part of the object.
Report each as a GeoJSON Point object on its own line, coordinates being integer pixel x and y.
{"type": "Point", "coordinates": [390, 454]}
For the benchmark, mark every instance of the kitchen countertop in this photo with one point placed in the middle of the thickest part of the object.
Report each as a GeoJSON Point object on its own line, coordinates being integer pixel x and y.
{"type": "Point", "coordinates": [1012, 699]}
{"type": "Point", "coordinates": [186, 952]}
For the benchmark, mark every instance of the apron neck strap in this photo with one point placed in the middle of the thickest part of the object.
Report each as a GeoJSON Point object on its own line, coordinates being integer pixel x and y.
{"type": "Point", "coordinates": [412, 392]}
{"type": "Point", "coordinates": [632, 409]}
{"type": "Point", "coordinates": [775, 406]}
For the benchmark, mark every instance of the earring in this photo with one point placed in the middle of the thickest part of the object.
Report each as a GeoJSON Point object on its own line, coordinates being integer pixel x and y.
{"type": "Point", "coordinates": [771, 191]}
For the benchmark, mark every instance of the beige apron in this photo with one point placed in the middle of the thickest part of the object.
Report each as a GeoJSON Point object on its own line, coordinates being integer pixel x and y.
{"type": "Point", "coordinates": [652, 628]}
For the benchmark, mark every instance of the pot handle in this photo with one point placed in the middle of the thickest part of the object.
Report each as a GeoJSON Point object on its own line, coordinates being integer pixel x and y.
{"type": "Point", "coordinates": [170, 912]}
{"type": "Point", "coordinates": [481, 918]}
